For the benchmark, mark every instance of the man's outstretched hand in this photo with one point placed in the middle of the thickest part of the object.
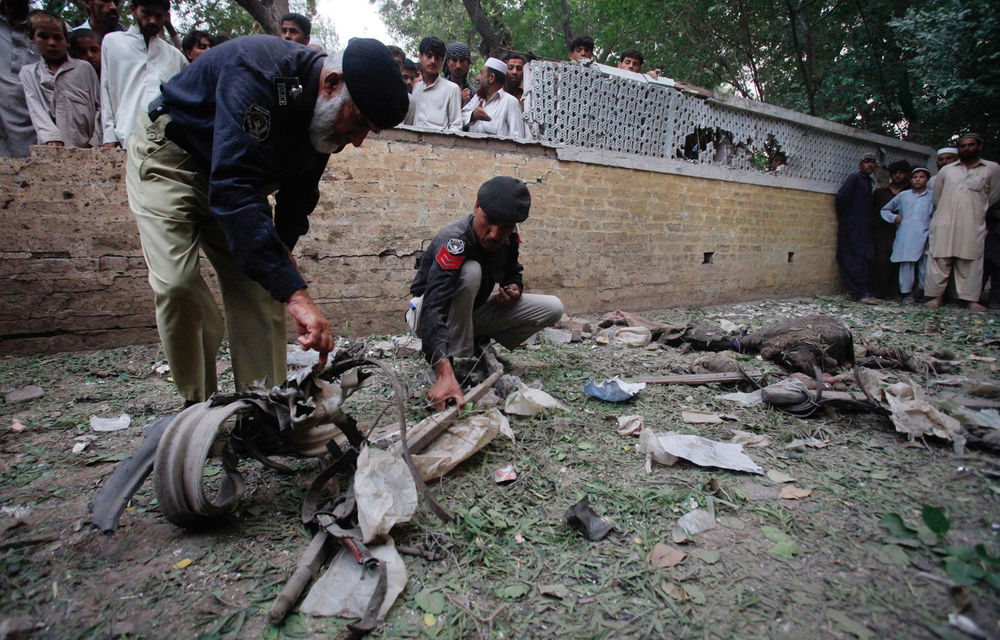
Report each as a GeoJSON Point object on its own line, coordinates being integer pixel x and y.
{"type": "Point", "coordinates": [311, 325]}
{"type": "Point", "coordinates": [445, 386]}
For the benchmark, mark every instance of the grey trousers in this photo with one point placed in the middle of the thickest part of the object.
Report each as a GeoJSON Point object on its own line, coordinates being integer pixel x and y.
{"type": "Point", "coordinates": [509, 326]}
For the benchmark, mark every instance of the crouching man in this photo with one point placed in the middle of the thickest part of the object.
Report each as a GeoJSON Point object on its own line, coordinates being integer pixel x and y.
{"type": "Point", "coordinates": [454, 310]}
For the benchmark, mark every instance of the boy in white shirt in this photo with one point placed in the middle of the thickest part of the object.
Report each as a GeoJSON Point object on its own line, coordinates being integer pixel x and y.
{"type": "Point", "coordinates": [63, 94]}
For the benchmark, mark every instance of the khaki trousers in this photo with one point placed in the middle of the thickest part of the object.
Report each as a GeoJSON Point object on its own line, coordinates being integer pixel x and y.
{"type": "Point", "coordinates": [509, 326]}
{"type": "Point", "coordinates": [968, 277]}
{"type": "Point", "coordinates": [168, 195]}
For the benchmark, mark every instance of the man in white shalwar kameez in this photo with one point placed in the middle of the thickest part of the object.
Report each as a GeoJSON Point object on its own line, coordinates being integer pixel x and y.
{"type": "Point", "coordinates": [963, 192]}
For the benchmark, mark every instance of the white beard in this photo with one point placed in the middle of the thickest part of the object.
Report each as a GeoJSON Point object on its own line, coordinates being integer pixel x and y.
{"type": "Point", "coordinates": [325, 113]}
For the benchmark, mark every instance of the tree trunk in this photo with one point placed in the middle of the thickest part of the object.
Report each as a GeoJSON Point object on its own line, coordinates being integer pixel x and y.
{"type": "Point", "coordinates": [495, 43]}
{"type": "Point", "coordinates": [267, 13]}
{"type": "Point", "coordinates": [567, 28]}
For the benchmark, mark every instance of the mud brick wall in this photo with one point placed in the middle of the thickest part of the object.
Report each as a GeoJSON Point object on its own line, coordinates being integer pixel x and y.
{"type": "Point", "coordinates": [601, 237]}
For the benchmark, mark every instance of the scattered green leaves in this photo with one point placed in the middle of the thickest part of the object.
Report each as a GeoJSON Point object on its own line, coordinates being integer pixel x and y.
{"type": "Point", "coordinates": [430, 601]}
{"type": "Point", "coordinates": [894, 523]}
{"type": "Point", "coordinates": [935, 520]}
{"type": "Point", "coordinates": [784, 545]}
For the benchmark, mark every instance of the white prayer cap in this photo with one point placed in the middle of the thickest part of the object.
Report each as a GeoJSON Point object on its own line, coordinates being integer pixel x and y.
{"type": "Point", "coordinates": [952, 150]}
{"type": "Point", "coordinates": [497, 65]}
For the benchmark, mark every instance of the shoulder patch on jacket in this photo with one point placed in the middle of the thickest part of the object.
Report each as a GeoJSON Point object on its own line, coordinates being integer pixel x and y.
{"type": "Point", "coordinates": [447, 260]}
{"type": "Point", "coordinates": [257, 122]}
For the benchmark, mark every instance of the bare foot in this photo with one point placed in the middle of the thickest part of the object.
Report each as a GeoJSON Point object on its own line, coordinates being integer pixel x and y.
{"type": "Point", "coordinates": [975, 306]}
{"type": "Point", "coordinates": [933, 304]}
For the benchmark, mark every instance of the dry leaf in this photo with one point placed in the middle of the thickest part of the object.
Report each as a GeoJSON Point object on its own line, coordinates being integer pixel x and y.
{"type": "Point", "coordinates": [791, 492]}
{"type": "Point", "coordinates": [664, 556]}
{"type": "Point", "coordinates": [675, 591]}
{"type": "Point", "coordinates": [555, 590]}
{"type": "Point", "coordinates": [777, 476]}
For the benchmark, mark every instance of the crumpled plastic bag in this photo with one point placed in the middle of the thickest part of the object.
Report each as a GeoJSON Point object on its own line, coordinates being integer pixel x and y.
{"type": "Point", "coordinates": [384, 491]}
{"type": "Point", "coordinates": [459, 442]}
{"type": "Point", "coordinates": [630, 425]}
{"type": "Point", "coordinates": [914, 416]}
{"type": "Point", "coordinates": [613, 390]}
{"type": "Point", "coordinates": [110, 424]}
{"type": "Point", "coordinates": [346, 588]}
{"type": "Point", "coordinates": [693, 523]}
{"type": "Point", "coordinates": [665, 448]}
{"type": "Point", "coordinates": [528, 402]}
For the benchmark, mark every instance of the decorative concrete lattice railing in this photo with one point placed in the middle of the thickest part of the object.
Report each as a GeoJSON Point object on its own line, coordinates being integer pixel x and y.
{"type": "Point", "coordinates": [608, 115]}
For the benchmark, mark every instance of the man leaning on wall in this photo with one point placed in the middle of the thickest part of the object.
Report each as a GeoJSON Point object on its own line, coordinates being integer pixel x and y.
{"type": "Point", "coordinates": [254, 115]}
{"type": "Point", "coordinates": [854, 228]}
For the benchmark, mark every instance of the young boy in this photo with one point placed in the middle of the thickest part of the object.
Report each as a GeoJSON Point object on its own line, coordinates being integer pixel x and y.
{"type": "Point", "coordinates": [85, 44]}
{"type": "Point", "coordinates": [911, 211]}
{"type": "Point", "coordinates": [63, 94]}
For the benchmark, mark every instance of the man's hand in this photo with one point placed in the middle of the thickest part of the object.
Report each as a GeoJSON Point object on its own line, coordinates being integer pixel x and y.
{"type": "Point", "coordinates": [311, 325]}
{"type": "Point", "coordinates": [508, 295]}
{"type": "Point", "coordinates": [480, 114]}
{"type": "Point", "coordinates": [899, 218]}
{"type": "Point", "coordinates": [466, 95]}
{"type": "Point", "coordinates": [54, 143]}
{"type": "Point", "coordinates": [445, 386]}
{"type": "Point", "coordinates": [110, 145]}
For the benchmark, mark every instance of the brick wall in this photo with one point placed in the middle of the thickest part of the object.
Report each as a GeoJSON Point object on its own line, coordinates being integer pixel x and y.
{"type": "Point", "coordinates": [601, 237]}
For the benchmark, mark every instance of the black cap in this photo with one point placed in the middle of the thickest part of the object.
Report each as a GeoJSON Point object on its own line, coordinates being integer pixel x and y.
{"type": "Point", "coordinates": [374, 82]}
{"type": "Point", "coordinates": [504, 199]}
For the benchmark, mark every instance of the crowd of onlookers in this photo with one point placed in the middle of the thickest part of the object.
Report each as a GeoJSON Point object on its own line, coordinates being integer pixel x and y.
{"type": "Point", "coordinates": [84, 86]}
{"type": "Point", "coordinates": [919, 237]}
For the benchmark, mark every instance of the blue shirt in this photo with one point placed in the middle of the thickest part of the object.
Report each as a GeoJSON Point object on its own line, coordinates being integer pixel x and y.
{"type": "Point", "coordinates": [243, 109]}
{"type": "Point", "coordinates": [911, 235]}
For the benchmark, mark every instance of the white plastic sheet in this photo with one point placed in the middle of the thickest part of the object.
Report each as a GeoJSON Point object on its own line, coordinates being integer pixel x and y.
{"type": "Point", "coordinates": [346, 588]}
{"type": "Point", "coordinates": [913, 415]}
{"type": "Point", "coordinates": [527, 401]}
{"type": "Point", "coordinates": [460, 441]}
{"type": "Point", "coordinates": [384, 491]}
{"type": "Point", "coordinates": [665, 448]}
{"type": "Point", "coordinates": [110, 424]}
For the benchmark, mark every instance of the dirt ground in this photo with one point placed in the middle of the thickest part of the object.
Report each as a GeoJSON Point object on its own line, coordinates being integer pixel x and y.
{"type": "Point", "coordinates": [829, 565]}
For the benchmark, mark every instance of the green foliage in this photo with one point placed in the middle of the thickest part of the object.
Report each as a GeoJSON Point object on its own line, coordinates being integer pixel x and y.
{"type": "Point", "coordinates": [935, 520]}
{"type": "Point", "coordinates": [963, 566]}
{"type": "Point", "coordinates": [889, 67]}
{"type": "Point", "coordinates": [222, 17]}
{"type": "Point", "coordinates": [953, 50]}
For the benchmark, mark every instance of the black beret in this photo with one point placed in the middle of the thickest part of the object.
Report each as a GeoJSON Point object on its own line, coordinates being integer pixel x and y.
{"type": "Point", "coordinates": [504, 199]}
{"type": "Point", "coordinates": [374, 82]}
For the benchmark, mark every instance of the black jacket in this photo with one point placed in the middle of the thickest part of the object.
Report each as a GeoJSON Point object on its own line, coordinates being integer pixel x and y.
{"type": "Point", "coordinates": [437, 278]}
